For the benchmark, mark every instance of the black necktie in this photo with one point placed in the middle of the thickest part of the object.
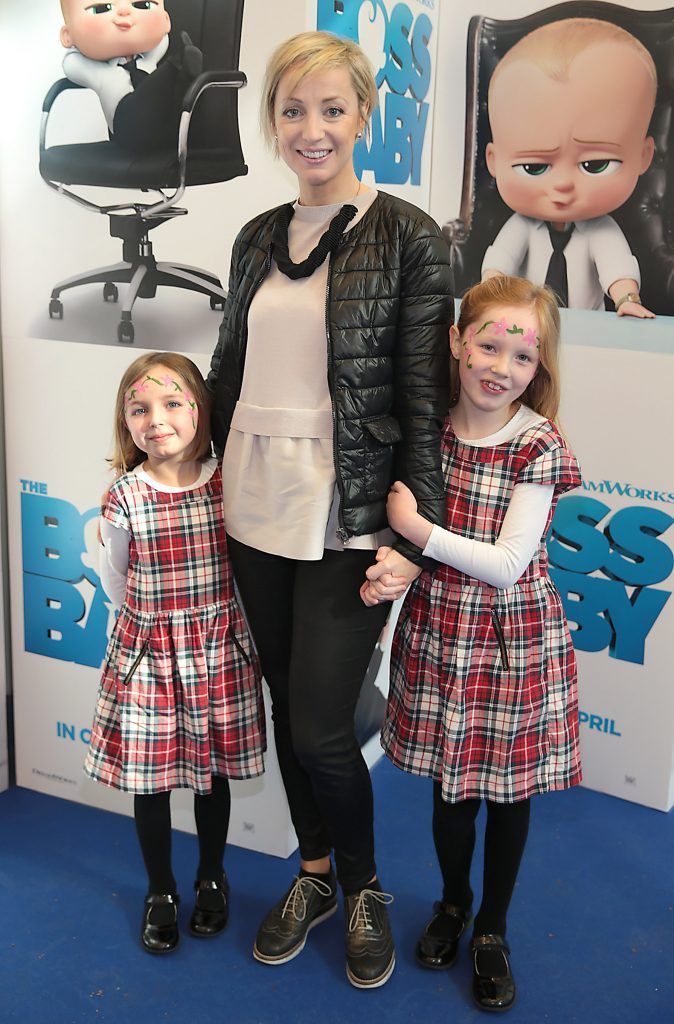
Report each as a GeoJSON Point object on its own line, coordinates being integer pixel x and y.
{"type": "Point", "coordinates": [135, 73]}
{"type": "Point", "coordinates": [556, 277]}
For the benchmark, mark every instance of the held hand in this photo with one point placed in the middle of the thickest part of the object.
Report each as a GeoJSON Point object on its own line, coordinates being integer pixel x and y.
{"type": "Point", "coordinates": [635, 309]}
{"type": "Point", "coordinates": [389, 577]}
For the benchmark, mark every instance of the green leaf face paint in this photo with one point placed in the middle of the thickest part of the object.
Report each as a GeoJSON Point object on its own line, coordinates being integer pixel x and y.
{"type": "Point", "coordinates": [501, 327]}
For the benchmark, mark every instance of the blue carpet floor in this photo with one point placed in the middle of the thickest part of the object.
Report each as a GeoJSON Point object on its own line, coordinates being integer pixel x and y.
{"type": "Point", "coordinates": [591, 925]}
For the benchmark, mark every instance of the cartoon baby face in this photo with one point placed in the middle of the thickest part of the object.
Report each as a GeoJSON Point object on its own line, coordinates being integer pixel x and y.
{"type": "Point", "coordinates": [120, 28]}
{"type": "Point", "coordinates": [572, 149]}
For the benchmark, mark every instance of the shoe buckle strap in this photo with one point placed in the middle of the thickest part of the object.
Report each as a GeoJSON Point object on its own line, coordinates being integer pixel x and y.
{"type": "Point", "coordinates": [360, 915]}
{"type": "Point", "coordinates": [296, 900]}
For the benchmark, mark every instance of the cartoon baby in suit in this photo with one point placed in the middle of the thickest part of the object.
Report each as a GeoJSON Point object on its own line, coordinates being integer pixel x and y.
{"type": "Point", "coordinates": [114, 48]}
{"type": "Point", "coordinates": [569, 109]}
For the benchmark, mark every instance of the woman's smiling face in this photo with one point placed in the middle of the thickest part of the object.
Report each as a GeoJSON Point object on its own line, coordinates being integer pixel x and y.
{"type": "Point", "coordinates": [316, 121]}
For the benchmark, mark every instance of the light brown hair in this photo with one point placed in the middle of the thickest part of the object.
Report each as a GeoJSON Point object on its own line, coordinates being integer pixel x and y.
{"type": "Point", "coordinates": [542, 395]}
{"type": "Point", "coordinates": [316, 51]}
{"type": "Point", "coordinates": [126, 456]}
{"type": "Point", "coordinates": [552, 48]}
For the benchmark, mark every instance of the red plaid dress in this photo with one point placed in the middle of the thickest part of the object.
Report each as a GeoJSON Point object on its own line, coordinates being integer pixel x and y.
{"type": "Point", "coordinates": [180, 698]}
{"type": "Point", "coordinates": [483, 680]}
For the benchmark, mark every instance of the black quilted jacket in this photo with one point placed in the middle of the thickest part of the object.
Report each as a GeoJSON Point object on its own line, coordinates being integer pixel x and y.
{"type": "Point", "coordinates": [389, 306]}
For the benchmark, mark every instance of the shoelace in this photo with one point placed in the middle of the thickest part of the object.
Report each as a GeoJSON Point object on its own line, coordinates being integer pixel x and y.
{"type": "Point", "coordinates": [296, 901]}
{"type": "Point", "coordinates": [360, 916]}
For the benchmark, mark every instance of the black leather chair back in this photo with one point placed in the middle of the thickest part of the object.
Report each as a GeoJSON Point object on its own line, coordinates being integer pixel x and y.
{"type": "Point", "coordinates": [215, 27]}
{"type": "Point", "coordinates": [647, 217]}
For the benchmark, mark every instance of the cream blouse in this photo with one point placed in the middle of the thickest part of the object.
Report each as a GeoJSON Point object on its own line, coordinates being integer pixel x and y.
{"type": "Point", "coordinates": [278, 469]}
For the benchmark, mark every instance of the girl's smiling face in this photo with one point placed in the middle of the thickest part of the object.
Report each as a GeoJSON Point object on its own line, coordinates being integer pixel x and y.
{"type": "Point", "coordinates": [498, 357]}
{"type": "Point", "coordinates": [161, 415]}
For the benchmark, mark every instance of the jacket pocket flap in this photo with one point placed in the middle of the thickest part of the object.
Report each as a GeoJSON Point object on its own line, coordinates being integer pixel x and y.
{"type": "Point", "coordinates": [385, 429]}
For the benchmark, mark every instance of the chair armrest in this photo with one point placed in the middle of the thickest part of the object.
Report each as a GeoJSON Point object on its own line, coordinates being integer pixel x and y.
{"type": "Point", "coordinates": [56, 90]}
{"type": "Point", "coordinates": [231, 79]}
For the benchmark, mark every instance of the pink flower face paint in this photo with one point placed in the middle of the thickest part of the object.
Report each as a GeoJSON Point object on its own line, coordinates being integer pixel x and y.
{"type": "Point", "coordinates": [165, 381]}
{"type": "Point", "coordinates": [161, 415]}
{"type": "Point", "coordinates": [500, 328]}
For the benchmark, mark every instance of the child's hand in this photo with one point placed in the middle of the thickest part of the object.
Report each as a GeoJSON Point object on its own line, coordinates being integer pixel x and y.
{"type": "Point", "coordinates": [401, 505]}
{"type": "Point", "coordinates": [401, 509]}
{"type": "Point", "coordinates": [389, 578]}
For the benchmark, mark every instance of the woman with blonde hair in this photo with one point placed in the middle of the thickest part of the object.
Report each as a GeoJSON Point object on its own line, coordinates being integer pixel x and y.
{"type": "Point", "coordinates": [329, 381]}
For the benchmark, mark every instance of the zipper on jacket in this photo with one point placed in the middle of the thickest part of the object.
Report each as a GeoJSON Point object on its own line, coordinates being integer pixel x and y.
{"type": "Point", "coordinates": [341, 531]}
{"type": "Point", "coordinates": [136, 662]}
{"type": "Point", "coordinates": [498, 629]}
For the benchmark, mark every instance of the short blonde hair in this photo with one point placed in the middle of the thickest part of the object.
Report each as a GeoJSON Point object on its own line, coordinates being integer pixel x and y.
{"type": "Point", "coordinates": [552, 48]}
{"type": "Point", "coordinates": [126, 456]}
{"type": "Point", "coordinates": [316, 51]}
{"type": "Point", "coordinates": [543, 393]}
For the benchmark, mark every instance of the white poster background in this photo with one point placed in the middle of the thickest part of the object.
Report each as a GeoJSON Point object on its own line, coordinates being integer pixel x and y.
{"type": "Point", "coordinates": [617, 413]}
{"type": "Point", "coordinates": [61, 376]}
{"type": "Point", "coordinates": [61, 455]}
{"type": "Point", "coordinates": [617, 383]}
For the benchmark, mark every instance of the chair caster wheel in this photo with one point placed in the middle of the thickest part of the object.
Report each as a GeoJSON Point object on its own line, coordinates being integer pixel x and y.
{"type": "Point", "coordinates": [125, 332]}
{"type": "Point", "coordinates": [217, 303]}
{"type": "Point", "coordinates": [110, 292]}
{"type": "Point", "coordinates": [55, 309]}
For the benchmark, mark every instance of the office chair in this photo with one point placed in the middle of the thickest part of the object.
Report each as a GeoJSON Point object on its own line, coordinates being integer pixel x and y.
{"type": "Point", "coordinates": [207, 150]}
{"type": "Point", "coordinates": [647, 218]}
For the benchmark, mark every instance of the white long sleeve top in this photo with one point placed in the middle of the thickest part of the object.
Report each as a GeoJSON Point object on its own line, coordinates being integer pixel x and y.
{"type": "Point", "coordinates": [502, 563]}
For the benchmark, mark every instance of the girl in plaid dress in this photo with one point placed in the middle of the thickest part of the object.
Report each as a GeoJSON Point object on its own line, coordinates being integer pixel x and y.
{"type": "Point", "coordinates": [180, 701]}
{"type": "Point", "coordinates": [483, 674]}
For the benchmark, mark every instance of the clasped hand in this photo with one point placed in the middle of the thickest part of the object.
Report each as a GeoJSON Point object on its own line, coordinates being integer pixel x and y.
{"type": "Point", "coordinates": [392, 573]}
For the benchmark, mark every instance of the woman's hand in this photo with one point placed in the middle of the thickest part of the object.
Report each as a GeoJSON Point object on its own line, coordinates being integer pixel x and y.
{"type": "Point", "coordinates": [401, 510]}
{"type": "Point", "coordinates": [389, 578]}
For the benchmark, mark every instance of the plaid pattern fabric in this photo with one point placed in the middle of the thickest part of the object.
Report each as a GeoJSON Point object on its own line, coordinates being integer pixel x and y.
{"type": "Point", "coordinates": [180, 698]}
{"type": "Point", "coordinates": [483, 680]}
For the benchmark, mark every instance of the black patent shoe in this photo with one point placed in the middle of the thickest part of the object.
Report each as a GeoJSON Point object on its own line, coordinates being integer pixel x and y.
{"type": "Point", "coordinates": [159, 930]}
{"type": "Point", "coordinates": [438, 946]}
{"type": "Point", "coordinates": [493, 983]}
{"type": "Point", "coordinates": [211, 908]}
{"type": "Point", "coordinates": [283, 933]}
{"type": "Point", "coordinates": [370, 953]}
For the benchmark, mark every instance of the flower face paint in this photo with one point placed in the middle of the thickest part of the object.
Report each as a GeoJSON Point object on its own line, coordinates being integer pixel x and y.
{"type": "Point", "coordinates": [161, 415]}
{"type": "Point", "coordinates": [498, 357]}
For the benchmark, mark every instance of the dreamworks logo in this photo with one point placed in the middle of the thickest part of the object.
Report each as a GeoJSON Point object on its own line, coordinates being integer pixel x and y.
{"type": "Point", "coordinates": [626, 490]}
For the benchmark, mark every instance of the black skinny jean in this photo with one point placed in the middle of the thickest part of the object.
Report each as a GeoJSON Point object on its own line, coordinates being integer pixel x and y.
{"type": "Point", "coordinates": [315, 638]}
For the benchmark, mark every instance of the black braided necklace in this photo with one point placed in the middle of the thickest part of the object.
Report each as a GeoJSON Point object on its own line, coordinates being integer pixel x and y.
{"type": "Point", "coordinates": [328, 241]}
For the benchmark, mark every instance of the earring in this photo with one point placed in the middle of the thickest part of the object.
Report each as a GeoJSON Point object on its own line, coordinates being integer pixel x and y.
{"type": "Point", "coordinates": [359, 135]}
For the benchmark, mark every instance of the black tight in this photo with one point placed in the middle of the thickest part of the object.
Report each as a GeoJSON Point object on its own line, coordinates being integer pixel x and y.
{"type": "Point", "coordinates": [505, 839]}
{"type": "Point", "coordinates": [153, 825]}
